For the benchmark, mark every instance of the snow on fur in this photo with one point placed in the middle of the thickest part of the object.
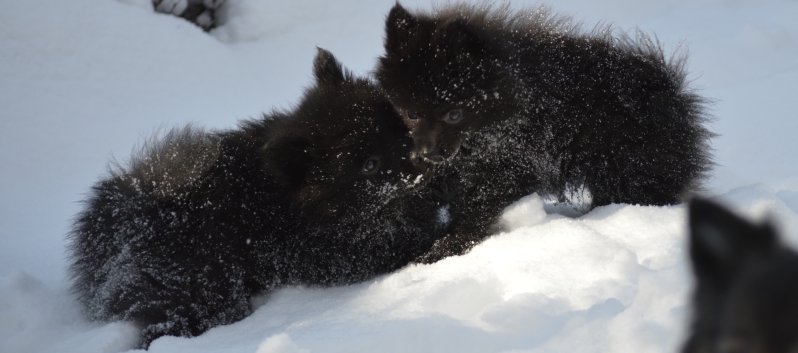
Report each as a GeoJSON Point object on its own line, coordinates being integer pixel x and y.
{"type": "Point", "coordinates": [84, 80]}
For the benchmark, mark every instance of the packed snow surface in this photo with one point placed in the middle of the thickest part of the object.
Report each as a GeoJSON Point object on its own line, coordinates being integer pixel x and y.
{"type": "Point", "coordinates": [83, 81]}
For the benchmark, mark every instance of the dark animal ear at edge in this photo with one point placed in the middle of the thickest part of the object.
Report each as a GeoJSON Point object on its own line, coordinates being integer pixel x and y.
{"type": "Point", "coordinates": [400, 27]}
{"type": "Point", "coordinates": [327, 69]}
{"type": "Point", "coordinates": [288, 160]}
{"type": "Point", "coordinates": [721, 243]}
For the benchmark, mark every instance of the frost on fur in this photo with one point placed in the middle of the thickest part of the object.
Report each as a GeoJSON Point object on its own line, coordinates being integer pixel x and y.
{"type": "Point", "coordinates": [182, 237]}
{"type": "Point", "coordinates": [513, 103]}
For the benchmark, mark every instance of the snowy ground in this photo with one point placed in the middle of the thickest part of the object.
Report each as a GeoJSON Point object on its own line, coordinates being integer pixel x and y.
{"type": "Point", "coordinates": [82, 81]}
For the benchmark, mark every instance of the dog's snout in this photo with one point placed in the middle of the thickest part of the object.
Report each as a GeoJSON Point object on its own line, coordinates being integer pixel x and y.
{"type": "Point", "coordinates": [433, 156]}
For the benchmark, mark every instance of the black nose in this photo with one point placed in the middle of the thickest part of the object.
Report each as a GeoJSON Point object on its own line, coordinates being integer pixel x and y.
{"type": "Point", "coordinates": [416, 159]}
{"type": "Point", "coordinates": [434, 157]}
{"type": "Point", "coordinates": [417, 166]}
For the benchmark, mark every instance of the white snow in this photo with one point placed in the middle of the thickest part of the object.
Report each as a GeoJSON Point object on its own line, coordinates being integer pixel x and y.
{"type": "Point", "coordinates": [82, 81]}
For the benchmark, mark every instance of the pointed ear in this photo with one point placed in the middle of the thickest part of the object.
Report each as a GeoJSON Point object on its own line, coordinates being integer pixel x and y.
{"type": "Point", "coordinates": [400, 27]}
{"type": "Point", "coordinates": [327, 69]}
{"type": "Point", "coordinates": [723, 244]}
{"type": "Point", "coordinates": [288, 159]}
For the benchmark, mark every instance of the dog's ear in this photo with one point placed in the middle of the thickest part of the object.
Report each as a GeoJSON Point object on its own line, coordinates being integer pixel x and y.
{"type": "Point", "coordinates": [288, 160]}
{"type": "Point", "coordinates": [400, 28]}
{"type": "Point", "coordinates": [723, 244]}
{"type": "Point", "coordinates": [327, 69]}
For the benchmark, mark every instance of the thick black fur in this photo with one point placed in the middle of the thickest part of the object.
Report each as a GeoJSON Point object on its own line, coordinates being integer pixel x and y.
{"type": "Point", "coordinates": [746, 298]}
{"type": "Point", "coordinates": [545, 107]}
{"type": "Point", "coordinates": [180, 240]}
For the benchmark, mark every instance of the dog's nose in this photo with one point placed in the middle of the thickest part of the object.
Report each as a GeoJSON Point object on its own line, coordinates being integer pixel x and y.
{"type": "Point", "coordinates": [433, 156]}
{"type": "Point", "coordinates": [417, 165]}
{"type": "Point", "coordinates": [416, 158]}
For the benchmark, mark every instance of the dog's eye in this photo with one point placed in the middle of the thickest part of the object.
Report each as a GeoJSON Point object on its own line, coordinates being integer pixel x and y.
{"type": "Point", "coordinates": [412, 116]}
{"type": "Point", "coordinates": [371, 165]}
{"type": "Point", "coordinates": [454, 116]}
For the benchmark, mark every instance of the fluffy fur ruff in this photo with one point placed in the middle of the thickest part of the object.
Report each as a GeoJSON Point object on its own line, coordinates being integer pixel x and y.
{"type": "Point", "coordinates": [746, 298]}
{"type": "Point", "coordinates": [180, 240]}
{"type": "Point", "coordinates": [534, 104]}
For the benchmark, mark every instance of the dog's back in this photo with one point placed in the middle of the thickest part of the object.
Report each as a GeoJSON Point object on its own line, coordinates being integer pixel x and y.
{"type": "Point", "coordinates": [747, 294]}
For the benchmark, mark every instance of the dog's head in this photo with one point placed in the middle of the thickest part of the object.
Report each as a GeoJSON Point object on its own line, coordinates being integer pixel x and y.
{"type": "Point", "coordinates": [747, 295]}
{"type": "Point", "coordinates": [344, 150]}
{"type": "Point", "coordinates": [441, 74]}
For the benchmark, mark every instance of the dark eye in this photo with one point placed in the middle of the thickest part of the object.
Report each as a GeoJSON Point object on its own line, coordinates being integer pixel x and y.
{"type": "Point", "coordinates": [454, 116]}
{"type": "Point", "coordinates": [370, 166]}
{"type": "Point", "coordinates": [412, 116]}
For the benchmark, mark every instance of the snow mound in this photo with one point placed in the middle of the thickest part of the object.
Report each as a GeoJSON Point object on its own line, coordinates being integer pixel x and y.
{"type": "Point", "coordinates": [613, 280]}
{"type": "Point", "coordinates": [83, 80]}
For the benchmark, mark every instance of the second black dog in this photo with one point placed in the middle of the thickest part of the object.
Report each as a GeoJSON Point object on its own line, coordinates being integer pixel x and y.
{"type": "Point", "coordinates": [179, 241]}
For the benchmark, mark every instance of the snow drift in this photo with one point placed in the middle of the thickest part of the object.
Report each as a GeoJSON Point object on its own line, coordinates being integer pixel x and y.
{"type": "Point", "coordinates": [84, 80]}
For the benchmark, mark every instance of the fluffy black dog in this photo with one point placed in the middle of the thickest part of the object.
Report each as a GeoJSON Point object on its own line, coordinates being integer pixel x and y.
{"type": "Point", "coordinates": [534, 104]}
{"type": "Point", "coordinates": [747, 294]}
{"type": "Point", "coordinates": [180, 240]}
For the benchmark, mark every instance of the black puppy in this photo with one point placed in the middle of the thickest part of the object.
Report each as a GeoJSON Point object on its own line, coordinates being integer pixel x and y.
{"type": "Point", "coordinates": [180, 240]}
{"type": "Point", "coordinates": [534, 104]}
{"type": "Point", "coordinates": [747, 295]}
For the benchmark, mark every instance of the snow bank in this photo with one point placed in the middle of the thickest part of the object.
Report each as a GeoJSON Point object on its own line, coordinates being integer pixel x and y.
{"type": "Point", "coordinates": [613, 280]}
{"type": "Point", "coordinates": [38, 318]}
{"type": "Point", "coordinates": [84, 80]}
